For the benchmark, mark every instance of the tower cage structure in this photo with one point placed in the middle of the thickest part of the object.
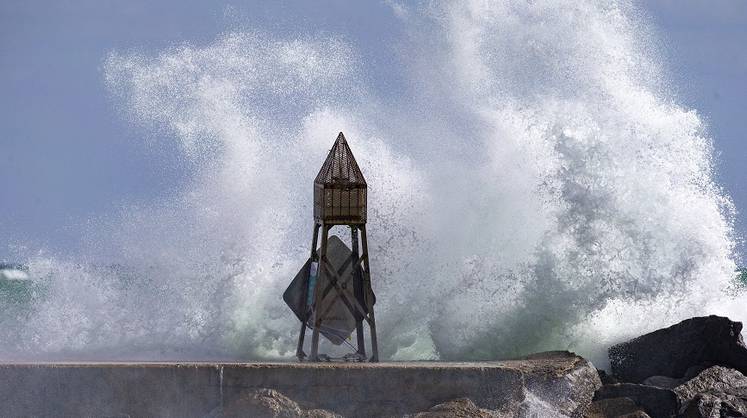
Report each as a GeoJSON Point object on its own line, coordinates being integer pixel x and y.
{"type": "Point", "coordinates": [340, 198]}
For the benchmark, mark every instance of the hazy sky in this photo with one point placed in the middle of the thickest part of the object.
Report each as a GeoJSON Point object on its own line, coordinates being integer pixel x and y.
{"type": "Point", "coordinates": [67, 154]}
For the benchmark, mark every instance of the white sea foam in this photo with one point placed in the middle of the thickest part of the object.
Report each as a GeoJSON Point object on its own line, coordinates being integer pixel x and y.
{"type": "Point", "coordinates": [535, 187]}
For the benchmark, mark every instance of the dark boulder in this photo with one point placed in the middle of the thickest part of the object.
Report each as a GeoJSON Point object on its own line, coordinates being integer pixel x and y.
{"type": "Point", "coordinates": [672, 351]}
{"type": "Point", "coordinates": [606, 378]}
{"type": "Point", "coordinates": [657, 402]}
{"type": "Point", "coordinates": [693, 371]}
{"type": "Point", "coordinates": [615, 407]}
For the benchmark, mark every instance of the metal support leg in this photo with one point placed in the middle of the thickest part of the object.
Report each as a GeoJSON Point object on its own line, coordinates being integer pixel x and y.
{"type": "Point", "coordinates": [358, 290]}
{"type": "Point", "coordinates": [374, 342]}
{"type": "Point", "coordinates": [316, 309]}
{"type": "Point", "coordinates": [367, 278]}
{"type": "Point", "coordinates": [302, 334]}
{"type": "Point", "coordinates": [300, 355]}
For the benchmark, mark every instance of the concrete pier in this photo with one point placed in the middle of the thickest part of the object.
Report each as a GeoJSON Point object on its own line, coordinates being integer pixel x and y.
{"type": "Point", "coordinates": [556, 380]}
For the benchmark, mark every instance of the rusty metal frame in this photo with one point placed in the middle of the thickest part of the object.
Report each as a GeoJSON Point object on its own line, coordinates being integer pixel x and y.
{"type": "Point", "coordinates": [362, 310]}
{"type": "Point", "coordinates": [340, 174]}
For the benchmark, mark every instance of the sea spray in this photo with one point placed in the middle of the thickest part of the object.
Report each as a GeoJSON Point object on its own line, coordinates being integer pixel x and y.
{"type": "Point", "coordinates": [535, 187]}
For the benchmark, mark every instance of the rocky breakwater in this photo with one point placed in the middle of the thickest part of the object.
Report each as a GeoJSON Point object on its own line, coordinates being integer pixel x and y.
{"type": "Point", "coordinates": [554, 384]}
{"type": "Point", "coordinates": [692, 369]}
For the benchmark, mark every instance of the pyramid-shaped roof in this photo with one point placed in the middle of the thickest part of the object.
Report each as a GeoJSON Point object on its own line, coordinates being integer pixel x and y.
{"type": "Point", "coordinates": [340, 167]}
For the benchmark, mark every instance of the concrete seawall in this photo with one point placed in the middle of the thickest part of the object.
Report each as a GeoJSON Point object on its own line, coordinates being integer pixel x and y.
{"type": "Point", "coordinates": [552, 380]}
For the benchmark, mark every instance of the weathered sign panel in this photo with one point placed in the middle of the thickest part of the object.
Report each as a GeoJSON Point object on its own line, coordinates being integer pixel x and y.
{"type": "Point", "coordinates": [337, 320]}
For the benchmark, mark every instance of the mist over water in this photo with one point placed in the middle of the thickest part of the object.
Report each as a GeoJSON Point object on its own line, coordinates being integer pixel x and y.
{"type": "Point", "coordinates": [536, 186]}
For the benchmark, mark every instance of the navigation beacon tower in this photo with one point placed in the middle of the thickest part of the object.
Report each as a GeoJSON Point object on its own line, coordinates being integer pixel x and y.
{"type": "Point", "coordinates": [341, 290]}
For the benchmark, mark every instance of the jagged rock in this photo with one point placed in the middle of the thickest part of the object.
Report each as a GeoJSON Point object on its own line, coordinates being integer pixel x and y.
{"type": "Point", "coordinates": [568, 390]}
{"type": "Point", "coordinates": [716, 391]}
{"type": "Point", "coordinates": [672, 351]}
{"type": "Point", "coordinates": [614, 408]}
{"type": "Point", "coordinates": [457, 408]}
{"type": "Point", "coordinates": [716, 405]}
{"type": "Point", "coordinates": [269, 403]}
{"type": "Point", "coordinates": [657, 402]}
{"type": "Point", "coordinates": [714, 379]}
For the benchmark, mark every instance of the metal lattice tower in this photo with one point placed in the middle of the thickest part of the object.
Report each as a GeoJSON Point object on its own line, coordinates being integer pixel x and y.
{"type": "Point", "coordinates": [340, 193]}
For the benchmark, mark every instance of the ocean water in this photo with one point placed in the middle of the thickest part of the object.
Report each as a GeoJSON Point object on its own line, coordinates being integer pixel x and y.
{"type": "Point", "coordinates": [535, 185]}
